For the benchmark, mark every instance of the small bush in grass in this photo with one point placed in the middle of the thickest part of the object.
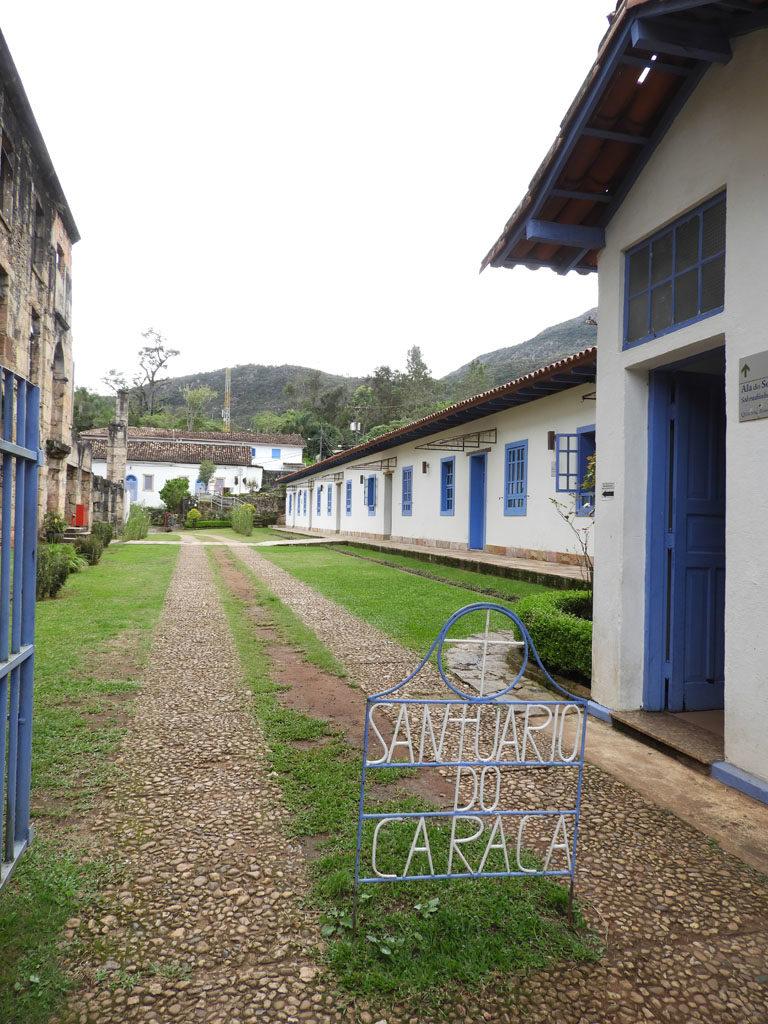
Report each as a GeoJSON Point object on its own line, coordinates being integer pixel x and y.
{"type": "Point", "coordinates": [561, 628]}
{"type": "Point", "coordinates": [54, 526]}
{"type": "Point", "coordinates": [137, 524]}
{"type": "Point", "coordinates": [104, 532]}
{"type": "Point", "coordinates": [242, 519]}
{"type": "Point", "coordinates": [192, 519]}
{"type": "Point", "coordinates": [90, 548]}
{"type": "Point", "coordinates": [75, 560]}
{"type": "Point", "coordinates": [53, 567]}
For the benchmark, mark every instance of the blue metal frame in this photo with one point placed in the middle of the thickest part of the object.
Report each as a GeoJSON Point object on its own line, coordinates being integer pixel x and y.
{"type": "Point", "coordinates": [319, 499]}
{"type": "Point", "coordinates": [448, 502]}
{"type": "Point", "coordinates": [464, 700]}
{"type": "Point", "coordinates": [21, 458]}
{"type": "Point", "coordinates": [406, 498]}
{"type": "Point", "coordinates": [290, 502]}
{"type": "Point", "coordinates": [348, 498]}
{"type": "Point", "coordinates": [370, 494]}
{"type": "Point", "coordinates": [522, 509]}
{"type": "Point", "coordinates": [701, 261]}
{"type": "Point", "coordinates": [329, 500]}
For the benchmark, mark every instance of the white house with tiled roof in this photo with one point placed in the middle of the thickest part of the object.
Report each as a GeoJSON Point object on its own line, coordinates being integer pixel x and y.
{"type": "Point", "coordinates": [482, 474]}
{"type": "Point", "coordinates": [658, 181]}
{"type": "Point", "coordinates": [156, 455]}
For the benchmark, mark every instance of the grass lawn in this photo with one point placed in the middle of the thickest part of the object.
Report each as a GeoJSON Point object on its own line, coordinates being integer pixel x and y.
{"type": "Point", "coordinates": [91, 643]}
{"type": "Point", "coordinates": [162, 536]}
{"type": "Point", "coordinates": [509, 590]}
{"type": "Point", "coordinates": [411, 609]}
{"type": "Point", "coordinates": [226, 532]}
{"type": "Point", "coordinates": [416, 941]}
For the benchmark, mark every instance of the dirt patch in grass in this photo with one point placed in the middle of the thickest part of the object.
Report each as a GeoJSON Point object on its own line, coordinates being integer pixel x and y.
{"type": "Point", "coordinates": [121, 657]}
{"type": "Point", "coordinates": [309, 690]}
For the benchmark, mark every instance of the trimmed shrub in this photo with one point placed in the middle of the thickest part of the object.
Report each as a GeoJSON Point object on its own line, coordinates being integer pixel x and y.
{"type": "Point", "coordinates": [90, 548]}
{"type": "Point", "coordinates": [193, 518]}
{"type": "Point", "coordinates": [560, 624]}
{"type": "Point", "coordinates": [242, 519]}
{"type": "Point", "coordinates": [104, 532]}
{"type": "Point", "coordinates": [53, 567]}
{"type": "Point", "coordinates": [54, 526]}
{"type": "Point", "coordinates": [137, 524]}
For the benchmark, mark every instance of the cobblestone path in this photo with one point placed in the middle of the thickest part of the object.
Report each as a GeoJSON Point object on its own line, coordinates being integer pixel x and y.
{"type": "Point", "coordinates": [686, 924]}
{"type": "Point", "coordinates": [208, 918]}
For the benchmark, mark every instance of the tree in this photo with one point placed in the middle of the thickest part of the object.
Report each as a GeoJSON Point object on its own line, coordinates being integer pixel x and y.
{"type": "Point", "coordinates": [195, 400]}
{"type": "Point", "coordinates": [206, 471]}
{"type": "Point", "coordinates": [153, 358]}
{"type": "Point", "coordinates": [116, 381]}
{"type": "Point", "coordinates": [92, 410]}
{"type": "Point", "coordinates": [473, 381]}
{"type": "Point", "coordinates": [174, 492]}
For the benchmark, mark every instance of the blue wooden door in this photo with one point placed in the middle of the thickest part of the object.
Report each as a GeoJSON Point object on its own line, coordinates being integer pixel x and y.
{"type": "Point", "coordinates": [20, 448]}
{"type": "Point", "coordinates": [697, 516]}
{"type": "Point", "coordinates": [477, 467]}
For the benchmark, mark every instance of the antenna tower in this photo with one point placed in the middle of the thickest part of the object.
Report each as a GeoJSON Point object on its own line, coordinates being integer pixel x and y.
{"type": "Point", "coordinates": [226, 412]}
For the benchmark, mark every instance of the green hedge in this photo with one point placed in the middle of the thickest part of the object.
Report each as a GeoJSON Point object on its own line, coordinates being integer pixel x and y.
{"type": "Point", "coordinates": [212, 524]}
{"type": "Point", "coordinates": [561, 628]}
{"type": "Point", "coordinates": [90, 548]}
{"type": "Point", "coordinates": [104, 532]}
{"type": "Point", "coordinates": [242, 519]}
{"type": "Point", "coordinates": [54, 563]}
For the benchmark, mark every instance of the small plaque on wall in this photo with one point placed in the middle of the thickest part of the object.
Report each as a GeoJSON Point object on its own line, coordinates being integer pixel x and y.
{"type": "Point", "coordinates": [753, 387]}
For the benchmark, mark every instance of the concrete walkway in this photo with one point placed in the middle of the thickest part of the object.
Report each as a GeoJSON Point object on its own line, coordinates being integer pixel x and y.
{"type": "Point", "coordinates": [473, 560]}
{"type": "Point", "coordinates": [665, 866]}
{"type": "Point", "coordinates": [207, 922]}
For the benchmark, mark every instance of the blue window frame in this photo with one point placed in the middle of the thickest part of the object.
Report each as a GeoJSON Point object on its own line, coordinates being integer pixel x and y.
{"type": "Point", "coordinates": [407, 495]}
{"type": "Point", "coordinates": [447, 486]}
{"type": "Point", "coordinates": [306, 499]}
{"type": "Point", "coordinates": [572, 452]}
{"type": "Point", "coordinates": [370, 495]}
{"type": "Point", "coordinates": [348, 497]}
{"type": "Point", "coordinates": [319, 497]}
{"type": "Point", "coordinates": [276, 453]}
{"type": "Point", "coordinates": [290, 502]}
{"type": "Point", "coordinates": [329, 499]}
{"type": "Point", "coordinates": [516, 478]}
{"type": "Point", "coordinates": [677, 276]}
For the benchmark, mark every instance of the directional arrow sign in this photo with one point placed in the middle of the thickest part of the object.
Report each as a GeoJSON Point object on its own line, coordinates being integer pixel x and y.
{"type": "Point", "coordinates": [753, 387]}
{"type": "Point", "coordinates": [745, 370]}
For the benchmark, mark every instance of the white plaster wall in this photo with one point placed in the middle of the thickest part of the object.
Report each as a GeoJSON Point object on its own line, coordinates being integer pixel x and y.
{"type": "Point", "coordinates": [162, 472]}
{"type": "Point", "coordinates": [540, 530]}
{"type": "Point", "coordinates": [719, 140]}
{"type": "Point", "coordinates": [289, 454]}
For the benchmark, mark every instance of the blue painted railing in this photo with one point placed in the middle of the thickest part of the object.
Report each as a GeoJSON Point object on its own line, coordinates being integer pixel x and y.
{"type": "Point", "coordinates": [19, 446]}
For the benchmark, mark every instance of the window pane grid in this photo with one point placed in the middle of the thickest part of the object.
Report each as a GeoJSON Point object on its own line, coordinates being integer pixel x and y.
{"type": "Point", "coordinates": [676, 276]}
{"type": "Point", "coordinates": [407, 497]}
{"type": "Point", "coordinates": [447, 473]}
{"type": "Point", "coordinates": [348, 497]}
{"type": "Point", "coordinates": [516, 479]}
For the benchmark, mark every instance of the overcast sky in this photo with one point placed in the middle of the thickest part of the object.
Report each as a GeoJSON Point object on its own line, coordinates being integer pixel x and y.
{"type": "Point", "coordinates": [306, 182]}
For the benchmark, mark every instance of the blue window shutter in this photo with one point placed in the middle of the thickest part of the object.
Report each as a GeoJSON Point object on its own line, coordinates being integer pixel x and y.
{"type": "Point", "coordinates": [516, 478]}
{"type": "Point", "coordinates": [349, 497]}
{"type": "Point", "coordinates": [329, 503]}
{"type": "Point", "coordinates": [371, 497]}
{"type": "Point", "coordinates": [319, 498]}
{"type": "Point", "coordinates": [407, 496]}
{"type": "Point", "coordinates": [566, 463]}
{"type": "Point", "coordinates": [290, 503]}
{"type": "Point", "coordinates": [447, 486]}
{"type": "Point", "coordinates": [275, 453]}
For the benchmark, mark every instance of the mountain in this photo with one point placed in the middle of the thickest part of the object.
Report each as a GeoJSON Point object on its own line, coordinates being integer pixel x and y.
{"type": "Point", "coordinates": [255, 388]}
{"type": "Point", "coordinates": [552, 343]}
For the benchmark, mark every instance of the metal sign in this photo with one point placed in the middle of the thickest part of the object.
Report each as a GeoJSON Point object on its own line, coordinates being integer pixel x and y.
{"type": "Point", "coordinates": [753, 387]}
{"type": "Point", "coordinates": [514, 770]}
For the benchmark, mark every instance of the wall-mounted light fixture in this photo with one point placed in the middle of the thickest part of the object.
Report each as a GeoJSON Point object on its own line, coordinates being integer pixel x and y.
{"type": "Point", "coordinates": [551, 440]}
{"type": "Point", "coordinates": [425, 467]}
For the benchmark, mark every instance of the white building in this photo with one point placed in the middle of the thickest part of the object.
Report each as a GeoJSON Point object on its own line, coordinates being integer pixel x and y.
{"type": "Point", "coordinates": [156, 455]}
{"type": "Point", "coordinates": [658, 182]}
{"type": "Point", "coordinates": [481, 474]}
